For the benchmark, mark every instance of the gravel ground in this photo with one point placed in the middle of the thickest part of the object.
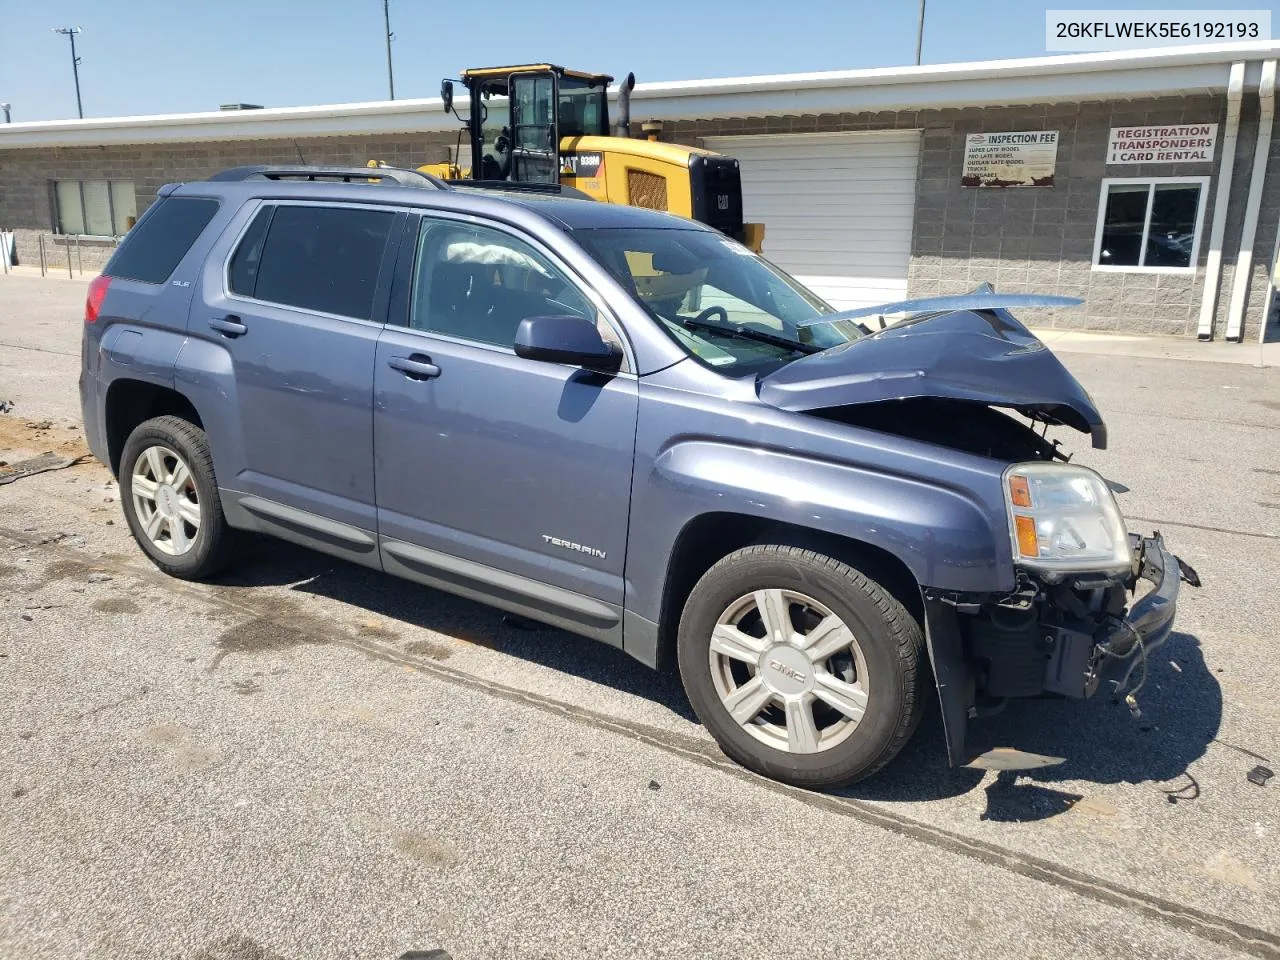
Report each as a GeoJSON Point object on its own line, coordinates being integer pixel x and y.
{"type": "Point", "coordinates": [311, 760]}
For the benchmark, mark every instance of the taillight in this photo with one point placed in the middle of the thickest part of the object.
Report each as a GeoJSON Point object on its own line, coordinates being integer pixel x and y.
{"type": "Point", "coordinates": [97, 291]}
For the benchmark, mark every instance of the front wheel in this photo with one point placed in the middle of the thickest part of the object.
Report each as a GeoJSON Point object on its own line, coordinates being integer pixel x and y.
{"type": "Point", "coordinates": [801, 667]}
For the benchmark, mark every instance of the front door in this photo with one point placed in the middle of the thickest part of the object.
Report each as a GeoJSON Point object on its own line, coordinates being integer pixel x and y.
{"type": "Point", "coordinates": [297, 322]}
{"type": "Point", "coordinates": [497, 477]}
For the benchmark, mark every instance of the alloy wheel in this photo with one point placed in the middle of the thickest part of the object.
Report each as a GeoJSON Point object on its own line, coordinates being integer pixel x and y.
{"type": "Point", "coordinates": [789, 671]}
{"type": "Point", "coordinates": [165, 500]}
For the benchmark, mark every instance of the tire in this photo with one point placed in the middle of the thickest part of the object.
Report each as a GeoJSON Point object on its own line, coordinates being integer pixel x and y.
{"type": "Point", "coordinates": [730, 659]}
{"type": "Point", "coordinates": [190, 538]}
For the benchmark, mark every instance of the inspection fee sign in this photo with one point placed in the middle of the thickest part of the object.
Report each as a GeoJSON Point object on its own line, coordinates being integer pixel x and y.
{"type": "Point", "coordinates": [1178, 143]}
{"type": "Point", "coordinates": [1019, 159]}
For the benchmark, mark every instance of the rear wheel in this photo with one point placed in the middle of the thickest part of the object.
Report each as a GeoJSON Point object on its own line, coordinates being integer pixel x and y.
{"type": "Point", "coordinates": [170, 498]}
{"type": "Point", "coordinates": [801, 667]}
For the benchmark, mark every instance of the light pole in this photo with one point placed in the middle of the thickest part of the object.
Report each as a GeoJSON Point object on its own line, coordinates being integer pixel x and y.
{"type": "Point", "coordinates": [386, 21]}
{"type": "Point", "coordinates": [70, 33]}
{"type": "Point", "coordinates": [920, 34]}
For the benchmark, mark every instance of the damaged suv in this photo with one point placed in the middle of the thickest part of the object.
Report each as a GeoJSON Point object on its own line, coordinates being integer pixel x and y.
{"type": "Point", "coordinates": [627, 425]}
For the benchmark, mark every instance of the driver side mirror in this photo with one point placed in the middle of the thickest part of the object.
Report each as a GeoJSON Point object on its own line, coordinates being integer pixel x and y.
{"type": "Point", "coordinates": [566, 339]}
{"type": "Point", "coordinates": [446, 94]}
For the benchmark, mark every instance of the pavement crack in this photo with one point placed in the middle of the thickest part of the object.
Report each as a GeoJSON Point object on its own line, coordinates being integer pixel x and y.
{"type": "Point", "coordinates": [1201, 526]}
{"type": "Point", "coordinates": [27, 346]}
{"type": "Point", "coordinates": [127, 698]}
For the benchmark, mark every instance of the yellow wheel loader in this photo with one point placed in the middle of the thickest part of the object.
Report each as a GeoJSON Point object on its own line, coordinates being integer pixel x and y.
{"type": "Point", "coordinates": [543, 124]}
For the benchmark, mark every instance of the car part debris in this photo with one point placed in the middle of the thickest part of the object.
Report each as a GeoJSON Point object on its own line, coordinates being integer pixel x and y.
{"type": "Point", "coordinates": [1007, 758]}
{"type": "Point", "coordinates": [41, 464]}
{"type": "Point", "coordinates": [1260, 775]}
{"type": "Point", "coordinates": [1188, 573]}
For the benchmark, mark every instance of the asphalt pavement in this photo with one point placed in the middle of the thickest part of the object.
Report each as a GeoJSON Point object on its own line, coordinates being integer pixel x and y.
{"type": "Point", "coordinates": [307, 759]}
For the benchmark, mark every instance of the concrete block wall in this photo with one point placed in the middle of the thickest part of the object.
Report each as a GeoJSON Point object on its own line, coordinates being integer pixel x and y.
{"type": "Point", "coordinates": [26, 176]}
{"type": "Point", "coordinates": [1040, 239]}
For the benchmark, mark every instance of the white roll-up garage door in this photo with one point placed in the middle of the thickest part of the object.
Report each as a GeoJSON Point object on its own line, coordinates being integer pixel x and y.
{"type": "Point", "coordinates": [837, 208]}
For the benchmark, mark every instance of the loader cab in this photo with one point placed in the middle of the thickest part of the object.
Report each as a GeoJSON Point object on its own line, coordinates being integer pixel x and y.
{"type": "Point", "coordinates": [519, 115]}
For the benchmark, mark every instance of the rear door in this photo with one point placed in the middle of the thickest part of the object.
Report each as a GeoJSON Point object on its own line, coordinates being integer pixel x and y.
{"type": "Point", "coordinates": [295, 312]}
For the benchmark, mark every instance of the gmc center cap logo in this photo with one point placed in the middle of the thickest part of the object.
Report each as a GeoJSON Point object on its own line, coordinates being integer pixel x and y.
{"type": "Point", "coordinates": [786, 671]}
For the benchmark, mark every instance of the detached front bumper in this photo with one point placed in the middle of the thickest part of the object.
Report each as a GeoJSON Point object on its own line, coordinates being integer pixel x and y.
{"type": "Point", "coordinates": [1121, 645]}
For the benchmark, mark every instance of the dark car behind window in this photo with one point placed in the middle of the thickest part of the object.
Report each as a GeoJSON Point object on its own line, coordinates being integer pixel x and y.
{"type": "Point", "coordinates": [152, 250]}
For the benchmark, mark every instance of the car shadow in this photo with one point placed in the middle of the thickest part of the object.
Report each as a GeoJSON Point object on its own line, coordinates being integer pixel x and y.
{"type": "Point", "coordinates": [1099, 739]}
{"type": "Point", "coordinates": [269, 562]}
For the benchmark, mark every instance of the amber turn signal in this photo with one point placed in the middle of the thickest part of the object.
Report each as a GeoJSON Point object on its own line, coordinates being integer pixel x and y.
{"type": "Point", "coordinates": [1028, 544]}
{"type": "Point", "coordinates": [1019, 491]}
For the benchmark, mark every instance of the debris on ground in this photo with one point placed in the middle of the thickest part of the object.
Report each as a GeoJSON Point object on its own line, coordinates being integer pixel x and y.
{"type": "Point", "coordinates": [99, 577]}
{"type": "Point", "coordinates": [1260, 775]}
{"type": "Point", "coordinates": [41, 464]}
{"type": "Point", "coordinates": [654, 785]}
{"type": "Point", "coordinates": [6, 406]}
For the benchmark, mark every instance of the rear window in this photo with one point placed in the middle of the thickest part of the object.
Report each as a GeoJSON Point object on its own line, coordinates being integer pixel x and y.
{"type": "Point", "coordinates": [316, 258]}
{"type": "Point", "coordinates": [152, 250]}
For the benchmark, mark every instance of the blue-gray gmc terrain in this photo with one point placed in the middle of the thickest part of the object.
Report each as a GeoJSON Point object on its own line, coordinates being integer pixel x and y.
{"type": "Point", "coordinates": [629, 426]}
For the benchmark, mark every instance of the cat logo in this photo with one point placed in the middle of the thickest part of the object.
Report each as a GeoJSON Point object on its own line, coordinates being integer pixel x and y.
{"type": "Point", "coordinates": [722, 201]}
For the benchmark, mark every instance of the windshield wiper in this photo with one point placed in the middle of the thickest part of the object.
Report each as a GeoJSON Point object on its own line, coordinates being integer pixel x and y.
{"type": "Point", "coordinates": [749, 333]}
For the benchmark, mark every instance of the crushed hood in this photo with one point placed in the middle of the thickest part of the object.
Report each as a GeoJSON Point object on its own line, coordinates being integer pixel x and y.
{"type": "Point", "coordinates": [980, 355]}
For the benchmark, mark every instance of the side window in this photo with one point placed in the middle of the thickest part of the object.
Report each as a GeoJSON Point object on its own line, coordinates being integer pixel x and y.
{"type": "Point", "coordinates": [244, 263]}
{"type": "Point", "coordinates": [1150, 224]}
{"type": "Point", "coordinates": [478, 283]}
{"type": "Point", "coordinates": [316, 258]}
{"type": "Point", "coordinates": [152, 251]}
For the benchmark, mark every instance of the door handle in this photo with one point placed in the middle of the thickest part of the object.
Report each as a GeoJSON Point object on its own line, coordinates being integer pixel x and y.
{"type": "Point", "coordinates": [228, 326]}
{"type": "Point", "coordinates": [418, 366]}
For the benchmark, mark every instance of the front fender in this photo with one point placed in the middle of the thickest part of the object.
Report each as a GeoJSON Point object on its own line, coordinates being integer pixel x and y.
{"type": "Point", "coordinates": [943, 535]}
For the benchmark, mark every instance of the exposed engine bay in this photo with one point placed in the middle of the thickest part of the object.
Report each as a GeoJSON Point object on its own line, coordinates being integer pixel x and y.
{"type": "Point", "coordinates": [959, 424]}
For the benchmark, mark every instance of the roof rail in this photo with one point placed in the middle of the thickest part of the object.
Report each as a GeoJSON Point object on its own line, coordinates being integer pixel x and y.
{"type": "Point", "coordinates": [403, 178]}
{"type": "Point", "coordinates": [514, 186]}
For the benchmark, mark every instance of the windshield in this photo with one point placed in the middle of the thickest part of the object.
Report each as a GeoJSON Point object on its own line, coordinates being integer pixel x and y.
{"type": "Point", "coordinates": [584, 111]}
{"type": "Point", "coordinates": [723, 304]}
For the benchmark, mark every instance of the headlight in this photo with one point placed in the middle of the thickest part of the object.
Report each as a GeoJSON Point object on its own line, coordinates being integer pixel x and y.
{"type": "Point", "coordinates": [1064, 519]}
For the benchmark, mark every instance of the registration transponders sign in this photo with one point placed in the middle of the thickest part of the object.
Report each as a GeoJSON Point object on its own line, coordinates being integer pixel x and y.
{"type": "Point", "coordinates": [1176, 143]}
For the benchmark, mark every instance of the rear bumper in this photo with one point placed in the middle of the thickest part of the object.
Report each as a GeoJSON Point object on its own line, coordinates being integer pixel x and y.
{"type": "Point", "coordinates": [91, 415]}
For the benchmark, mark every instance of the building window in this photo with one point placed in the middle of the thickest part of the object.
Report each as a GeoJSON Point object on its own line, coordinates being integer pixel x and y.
{"type": "Point", "coordinates": [1151, 224]}
{"type": "Point", "coordinates": [97, 208]}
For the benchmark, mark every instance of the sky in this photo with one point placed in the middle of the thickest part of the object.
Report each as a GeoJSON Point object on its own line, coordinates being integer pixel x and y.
{"type": "Point", "coordinates": [176, 56]}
